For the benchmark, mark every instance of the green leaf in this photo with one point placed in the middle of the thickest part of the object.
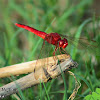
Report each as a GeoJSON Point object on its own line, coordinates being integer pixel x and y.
{"type": "Point", "coordinates": [98, 90]}
{"type": "Point", "coordinates": [94, 95]}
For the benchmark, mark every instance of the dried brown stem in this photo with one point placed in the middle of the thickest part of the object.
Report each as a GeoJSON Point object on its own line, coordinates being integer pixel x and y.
{"type": "Point", "coordinates": [51, 70]}
{"type": "Point", "coordinates": [27, 67]}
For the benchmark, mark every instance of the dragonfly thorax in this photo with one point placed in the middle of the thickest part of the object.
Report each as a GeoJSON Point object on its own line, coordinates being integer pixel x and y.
{"type": "Point", "coordinates": [53, 38]}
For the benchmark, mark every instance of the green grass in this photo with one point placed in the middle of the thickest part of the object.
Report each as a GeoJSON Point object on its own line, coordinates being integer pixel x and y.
{"type": "Point", "coordinates": [66, 17]}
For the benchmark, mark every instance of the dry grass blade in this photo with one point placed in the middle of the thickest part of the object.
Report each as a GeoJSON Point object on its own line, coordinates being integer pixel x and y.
{"type": "Point", "coordinates": [77, 86]}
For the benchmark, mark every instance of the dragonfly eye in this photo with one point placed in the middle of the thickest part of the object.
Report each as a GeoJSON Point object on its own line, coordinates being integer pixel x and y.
{"type": "Point", "coordinates": [65, 45]}
{"type": "Point", "coordinates": [61, 43]}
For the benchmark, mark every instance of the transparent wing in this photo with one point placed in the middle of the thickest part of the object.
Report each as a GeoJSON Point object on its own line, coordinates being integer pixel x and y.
{"type": "Point", "coordinates": [82, 44]}
{"type": "Point", "coordinates": [47, 50]}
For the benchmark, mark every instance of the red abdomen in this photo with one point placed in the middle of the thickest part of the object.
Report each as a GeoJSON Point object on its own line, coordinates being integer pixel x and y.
{"type": "Point", "coordinates": [33, 30]}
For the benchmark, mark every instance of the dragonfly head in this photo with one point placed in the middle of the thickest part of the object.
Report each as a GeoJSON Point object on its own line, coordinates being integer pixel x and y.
{"type": "Point", "coordinates": [63, 43]}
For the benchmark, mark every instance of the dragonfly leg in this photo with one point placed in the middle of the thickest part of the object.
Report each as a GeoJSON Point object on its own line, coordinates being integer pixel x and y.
{"type": "Point", "coordinates": [64, 51]}
{"type": "Point", "coordinates": [60, 50]}
{"type": "Point", "coordinates": [55, 50]}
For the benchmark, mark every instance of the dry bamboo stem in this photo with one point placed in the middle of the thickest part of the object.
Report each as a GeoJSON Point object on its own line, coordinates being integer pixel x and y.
{"type": "Point", "coordinates": [51, 70]}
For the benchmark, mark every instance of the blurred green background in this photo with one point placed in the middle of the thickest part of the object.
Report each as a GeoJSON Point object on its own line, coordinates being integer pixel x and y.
{"type": "Point", "coordinates": [69, 17]}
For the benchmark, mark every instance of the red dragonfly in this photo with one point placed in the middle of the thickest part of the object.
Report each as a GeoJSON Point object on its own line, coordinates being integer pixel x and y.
{"type": "Point", "coordinates": [56, 40]}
